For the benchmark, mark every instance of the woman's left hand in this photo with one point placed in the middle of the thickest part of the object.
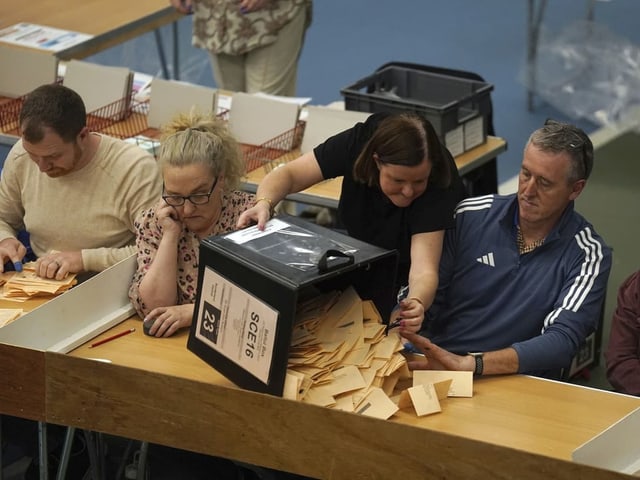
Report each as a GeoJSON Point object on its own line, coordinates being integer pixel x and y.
{"type": "Point", "coordinates": [165, 321]}
{"type": "Point", "coordinates": [57, 265]}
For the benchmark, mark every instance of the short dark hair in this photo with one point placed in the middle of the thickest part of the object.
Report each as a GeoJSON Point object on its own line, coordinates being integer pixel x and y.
{"type": "Point", "coordinates": [559, 137]}
{"type": "Point", "coordinates": [52, 106]}
{"type": "Point", "coordinates": [403, 139]}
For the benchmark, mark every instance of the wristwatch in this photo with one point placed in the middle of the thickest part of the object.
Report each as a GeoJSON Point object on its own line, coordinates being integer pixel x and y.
{"type": "Point", "coordinates": [479, 362]}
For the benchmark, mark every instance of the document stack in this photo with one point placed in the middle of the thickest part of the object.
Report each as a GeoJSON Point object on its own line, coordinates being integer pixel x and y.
{"type": "Point", "coordinates": [27, 284]}
{"type": "Point", "coordinates": [341, 357]}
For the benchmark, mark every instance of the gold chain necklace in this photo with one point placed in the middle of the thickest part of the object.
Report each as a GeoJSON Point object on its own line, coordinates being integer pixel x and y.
{"type": "Point", "coordinates": [526, 248]}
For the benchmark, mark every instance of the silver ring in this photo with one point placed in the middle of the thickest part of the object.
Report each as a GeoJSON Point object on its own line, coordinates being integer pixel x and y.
{"type": "Point", "coordinates": [58, 264]}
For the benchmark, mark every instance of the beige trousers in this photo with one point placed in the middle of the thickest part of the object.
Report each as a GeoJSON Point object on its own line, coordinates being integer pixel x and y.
{"type": "Point", "coordinates": [270, 69]}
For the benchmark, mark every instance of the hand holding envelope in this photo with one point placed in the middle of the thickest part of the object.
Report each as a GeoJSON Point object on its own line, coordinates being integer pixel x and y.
{"type": "Point", "coordinates": [342, 357]}
{"type": "Point", "coordinates": [21, 286]}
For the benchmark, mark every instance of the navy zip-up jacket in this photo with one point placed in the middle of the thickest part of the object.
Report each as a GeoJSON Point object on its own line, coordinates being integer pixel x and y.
{"type": "Point", "coordinates": [543, 303]}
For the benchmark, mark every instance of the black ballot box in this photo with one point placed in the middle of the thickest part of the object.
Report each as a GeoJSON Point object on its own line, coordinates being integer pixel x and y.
{"type": "Point", "coordinates": [250, 283]}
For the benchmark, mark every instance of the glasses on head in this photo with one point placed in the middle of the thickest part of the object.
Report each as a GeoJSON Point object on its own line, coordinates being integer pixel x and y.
{"type": "Point", "coordinates": [195, 199]}
{"type": "Point", "coordinates": [577, 143]}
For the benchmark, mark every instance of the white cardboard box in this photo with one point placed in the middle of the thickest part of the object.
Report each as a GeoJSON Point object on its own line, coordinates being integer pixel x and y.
{"type": "Point", "coordinates": [168, 98]}
{"type": "Point", "coordinates": [255, 119]}
{"type": "Point", "coordinates": [616, 448]}
{"type": "Point", "coordinates": [100, 86]}
{"type": "Point", "coordinates": [71, 319]}
{"type": "Point", "coordinates": [324, 122]}
{"type": "Point", "coordinates": [24, 70]}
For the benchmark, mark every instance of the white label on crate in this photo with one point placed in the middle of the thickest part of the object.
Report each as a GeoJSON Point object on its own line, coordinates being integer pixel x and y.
{"type": "Point", "coordinates": [454, 140]}
{"type": "Point", "coordinates": [236, 324]}
{"type": "Point", "coordinates": [473, 132]}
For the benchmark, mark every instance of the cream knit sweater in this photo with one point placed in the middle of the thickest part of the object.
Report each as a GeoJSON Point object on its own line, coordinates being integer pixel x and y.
{"type": "Point", "coordinates": [92, 209]}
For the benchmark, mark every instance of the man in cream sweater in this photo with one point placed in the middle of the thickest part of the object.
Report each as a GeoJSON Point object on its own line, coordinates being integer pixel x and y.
{"type": "Point", "coordinates": [76, 192]}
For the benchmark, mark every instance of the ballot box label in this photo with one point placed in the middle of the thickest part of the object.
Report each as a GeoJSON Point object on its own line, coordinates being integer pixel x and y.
{"type": "Point", "coordinates": [236, 324]}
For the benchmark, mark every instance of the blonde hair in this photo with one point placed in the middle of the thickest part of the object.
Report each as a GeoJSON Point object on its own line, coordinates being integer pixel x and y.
{"type": "Point", "coordinates": [196, 139]}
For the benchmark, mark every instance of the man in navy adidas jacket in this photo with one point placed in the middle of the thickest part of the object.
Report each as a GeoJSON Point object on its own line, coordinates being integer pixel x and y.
{"type": "Point", "coordinates": [522, 277]}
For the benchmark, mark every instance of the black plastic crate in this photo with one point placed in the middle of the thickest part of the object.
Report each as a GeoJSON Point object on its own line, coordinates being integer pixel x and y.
{"type": "Point", "coordinates": [456, 107]}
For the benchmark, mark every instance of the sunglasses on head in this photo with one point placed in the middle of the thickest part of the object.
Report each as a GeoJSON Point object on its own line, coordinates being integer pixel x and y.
{"type": "Point", "coordinates": [578, 143]}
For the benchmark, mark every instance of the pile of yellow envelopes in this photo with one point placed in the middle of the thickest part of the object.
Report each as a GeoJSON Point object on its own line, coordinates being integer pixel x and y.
{"type": "Point", "coordinates": [341, 358]}
{"type": "Point", "coordinates": [24, 285]}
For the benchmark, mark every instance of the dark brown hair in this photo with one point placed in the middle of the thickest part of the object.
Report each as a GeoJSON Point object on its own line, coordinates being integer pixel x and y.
{"type": "Point", "coordinates": [403, 139]}
{"type": "Point", "coordinates": [52, 106]}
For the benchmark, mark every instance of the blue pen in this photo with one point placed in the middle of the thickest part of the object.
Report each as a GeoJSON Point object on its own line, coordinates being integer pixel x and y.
{"type": "Point", "coordinates": [410, 348]}
{"type": "Point", "coordinates": [18, 266]}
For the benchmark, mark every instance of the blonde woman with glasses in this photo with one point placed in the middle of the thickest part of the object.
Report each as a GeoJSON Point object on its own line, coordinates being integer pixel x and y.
{"type": "Point", "coordinates": [201, 165]}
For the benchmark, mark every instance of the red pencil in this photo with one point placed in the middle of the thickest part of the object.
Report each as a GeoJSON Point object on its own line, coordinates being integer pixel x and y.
{"type": "Point", "coordinates": [112, 337]}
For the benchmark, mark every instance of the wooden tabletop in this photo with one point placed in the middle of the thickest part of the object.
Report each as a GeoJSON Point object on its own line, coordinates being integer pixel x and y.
{"type": "Point", "coordinates": [327, 193]}
{"type": "Point", "coordinates": [477, 156]}
{"type": "Point", "coordinates": [110, 22]}
{"type": "Point", "coordinates": [155, 389]}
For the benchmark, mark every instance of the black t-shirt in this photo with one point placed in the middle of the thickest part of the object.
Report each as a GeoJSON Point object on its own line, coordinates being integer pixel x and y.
{"type": "Point", "coordinates": [368, 214]}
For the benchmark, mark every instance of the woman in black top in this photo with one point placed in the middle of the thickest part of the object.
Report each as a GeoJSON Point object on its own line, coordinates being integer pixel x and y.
{"type": "Point", "coordinates": [399, 191]}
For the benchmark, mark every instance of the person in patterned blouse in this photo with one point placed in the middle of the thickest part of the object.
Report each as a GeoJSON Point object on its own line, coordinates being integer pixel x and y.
{"type": "Point", "coordinates": [201, 165]}
{"type": "Point", "coordinates": [253, 45]}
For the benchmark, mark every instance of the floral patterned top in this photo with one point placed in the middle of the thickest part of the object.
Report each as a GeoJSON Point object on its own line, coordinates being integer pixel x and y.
{"type": "Point", "coordinates": [149, 234]}
{"type": "Point", "coordinates": [220, 27]}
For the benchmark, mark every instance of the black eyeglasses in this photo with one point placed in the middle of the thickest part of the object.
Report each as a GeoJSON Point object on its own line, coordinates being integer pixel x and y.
{"type": "Point", "coordinates": [195, 199]}
{"type": "Point", "coordinates": [577, 143]}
